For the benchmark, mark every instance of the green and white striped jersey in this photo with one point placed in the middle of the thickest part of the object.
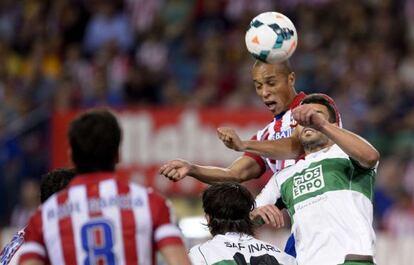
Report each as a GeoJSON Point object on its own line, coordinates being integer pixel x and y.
{"type": "Point", "coordinates": [329, 198]}
{"type": "Point", "coordinates": [238, 249]}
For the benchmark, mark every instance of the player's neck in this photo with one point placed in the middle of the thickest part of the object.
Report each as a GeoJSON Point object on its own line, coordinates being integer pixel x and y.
{"type": "Point", "coordinates": [310, 148]}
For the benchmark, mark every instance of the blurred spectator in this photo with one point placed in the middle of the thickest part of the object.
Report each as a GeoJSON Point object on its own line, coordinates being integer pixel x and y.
{"type": "Point", "coordinates": [176, 16]}
{"type": "Point", "coordinates": [139, 88]}
{"type": "Point", "coordinates": [399, 220]}
{"type": "Point", "coordinates": [107, 24]}
{"type": "Point", "coordinates": [143, 14]}
{"type": "Point", "coordinates": [29, 200]}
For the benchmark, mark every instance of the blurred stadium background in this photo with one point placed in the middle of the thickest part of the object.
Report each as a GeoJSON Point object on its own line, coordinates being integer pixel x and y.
{"type": "Point", "coordinates": [176, 69]}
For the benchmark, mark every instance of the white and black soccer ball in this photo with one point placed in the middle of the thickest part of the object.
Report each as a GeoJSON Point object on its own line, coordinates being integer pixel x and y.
{"type": "Point", "coordinates": [271, 37]}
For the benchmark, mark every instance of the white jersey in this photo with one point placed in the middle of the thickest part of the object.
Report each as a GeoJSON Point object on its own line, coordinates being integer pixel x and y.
{"type": "Point", "coordinates": [329, 198]}
{"type": "Point", "coordinates": [238, 249]}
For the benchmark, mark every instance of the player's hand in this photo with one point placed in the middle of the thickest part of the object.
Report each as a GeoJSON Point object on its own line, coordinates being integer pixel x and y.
{"type": "Point", "coordinates": [270, 214]}
{"type": "Point", "coordinates": [307, 116]}
{"type": "Point", "coordinates": [175, 170]}
{"type": "Point", "coordinates": [230, 138]}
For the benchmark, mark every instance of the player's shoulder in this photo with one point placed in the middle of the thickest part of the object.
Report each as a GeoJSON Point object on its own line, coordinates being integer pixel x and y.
{"type": "Point", "coordinates": [205, 244]}
{"type": "Point", "coordinates": [264, 130]}
{"type": "Point", "coordinates": [333, 151]}
{"type": "Point", "coordinates": [196, 255]}
{"type": "Point", "coordinates": [200, 250]}
{"type": "Point", "coordinates": [154, 197]}
{"type": "Point", "coordinates": [53, 200]}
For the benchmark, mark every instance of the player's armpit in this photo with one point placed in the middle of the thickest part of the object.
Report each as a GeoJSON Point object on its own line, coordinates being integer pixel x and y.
{"type": "Point", "coordinates": [175, 255]}
{"type": "Point", "coordinates": [32, 262]}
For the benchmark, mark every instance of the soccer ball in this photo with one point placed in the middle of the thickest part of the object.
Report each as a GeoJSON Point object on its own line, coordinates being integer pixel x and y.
{"type": "Point", "coordinates": [271, 37]}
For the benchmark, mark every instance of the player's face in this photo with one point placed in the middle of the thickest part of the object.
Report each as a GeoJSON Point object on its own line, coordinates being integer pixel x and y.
{"type": "Point", "coordinates": [311, 138]}
{"type": "Point", "coordinates": [274, 86]}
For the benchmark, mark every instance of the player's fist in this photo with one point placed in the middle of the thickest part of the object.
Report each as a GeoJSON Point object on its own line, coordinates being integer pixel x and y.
{"type": "Point", "coordinates": [230, 138]}
{"type": "Point", "coordinates": [270, 214]}
{"type": "Point", "coordinates": [175, 170]}
{"type": "Point", "coordinates": [307, 116]}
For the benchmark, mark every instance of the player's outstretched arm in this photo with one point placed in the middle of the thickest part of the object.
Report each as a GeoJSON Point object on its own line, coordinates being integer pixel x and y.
{"type": "Point", "coordinates": [281, 149]}
{"type": "Point", "coordinates": [175, 255]}
{"type": "Point", "coordinates": [242, 169]}
{"type": "Point", "coordinates": [352, 144]}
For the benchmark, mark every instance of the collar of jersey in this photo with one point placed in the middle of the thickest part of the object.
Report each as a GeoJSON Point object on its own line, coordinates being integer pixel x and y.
{"type": "Point", "coordinates": [296, 101]}
{"type": "Point", "coordinates": [238, 235]}
{"type": "Point", "coordinates": [315, 154]}
{"type": "Point", "coordinates": [90, 178]}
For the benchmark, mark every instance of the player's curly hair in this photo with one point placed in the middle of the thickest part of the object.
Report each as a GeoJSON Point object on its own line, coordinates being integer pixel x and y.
{"type": "Point", "coordinates": [55, 181]}
{"type": "Point", "coordinates": [94, 139]}
{"type": "Point", "coordinates": [228, 206]}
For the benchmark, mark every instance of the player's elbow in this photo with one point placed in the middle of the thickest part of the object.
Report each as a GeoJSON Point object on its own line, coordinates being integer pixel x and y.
{"type": "Point", "coordinates": [371, 158]}
{"type": "Point", "coordinates": [239, 176]}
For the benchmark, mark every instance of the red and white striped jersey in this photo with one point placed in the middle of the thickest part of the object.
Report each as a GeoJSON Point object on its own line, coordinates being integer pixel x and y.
{"type": "Point", "coordinates": [282, 126]}
{"type": "Point", "coordinates": [100, 219]}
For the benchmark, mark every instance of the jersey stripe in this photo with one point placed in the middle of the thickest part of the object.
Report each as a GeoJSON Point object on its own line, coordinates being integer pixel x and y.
{"type": "Point", "coordinates": [278, 124]}
{"type": "Point", "coordinates": [78, 196]}
{"type": "Point", "coordinates": [93, 196]}
{"type": "Point", "coordinates": [128, 228]}
{"type": "Point", "coordinates": [108, 189]}
{"type": "Point", "coordinates": [50, 230]}
{"type": "Point", "coordinates": [66, 233]}
{"type": "Point", "coordinates": [142, 216]}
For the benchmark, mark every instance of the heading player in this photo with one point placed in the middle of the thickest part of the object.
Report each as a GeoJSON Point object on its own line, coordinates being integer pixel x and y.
{"type": "Point", "coordinates": [328, 193]}
{"type": "Point", "coordinates": [227, 207]}
{"type": "Point", "coordinates": [100, 219]}
{"type": "Point", "coordinates": [275, 85]}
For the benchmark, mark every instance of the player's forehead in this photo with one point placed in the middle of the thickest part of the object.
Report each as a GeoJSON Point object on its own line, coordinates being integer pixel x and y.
{"type": "Point", "coordinates": [320, 108]}
{"type": "Point", "coordinates": [262, 71]}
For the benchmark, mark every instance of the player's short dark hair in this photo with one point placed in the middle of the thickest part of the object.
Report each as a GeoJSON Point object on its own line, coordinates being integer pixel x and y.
{"type": "Point", "coordinates": [283, 67]}
{"type": "Point", "coordinates": [94, 139]}
{"type": "Point", "coordinates": [228, 206]}
{"type": "Point", "coordinates": [55, 181]}
{"type": "Point", "coordinates": [322, 99]}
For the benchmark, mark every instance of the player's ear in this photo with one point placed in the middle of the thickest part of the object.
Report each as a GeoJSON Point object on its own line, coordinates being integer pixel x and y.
{"type": "Point", "coordinates": [291, 79]}
{"type": "Point", "coordinates": [207, 218]}
{"type": "Point", "coordinates": [69, 152]}
{"type": "Point", "coordinates": [117, 157]}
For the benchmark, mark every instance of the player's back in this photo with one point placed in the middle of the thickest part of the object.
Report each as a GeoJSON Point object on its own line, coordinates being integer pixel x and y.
{"type": "Point", "coordinates": [100, 220]}
{"type": "Point", "coordinates": [237, 249]}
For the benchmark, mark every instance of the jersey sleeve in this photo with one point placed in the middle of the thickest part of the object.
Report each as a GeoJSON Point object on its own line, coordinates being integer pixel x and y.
{"type": "Point", "coordinates": [34, 246]}
{"type": "Point", "coordinates": [165, 230]}
{"type": "Point", "coordinates": [269, 194]}
{"type": "Point", "coordinates": [259, 160]}
{"type": "Point", "coordinates": [196, 256]}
